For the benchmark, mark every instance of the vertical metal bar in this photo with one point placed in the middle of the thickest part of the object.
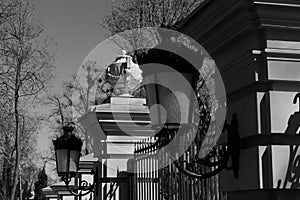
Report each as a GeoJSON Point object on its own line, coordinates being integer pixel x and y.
{"type": "Point", "coordinates": [217, 181]}
{"type": "Point", "coordinates": [206, 184]}
{"type": "Point", "coordinates": [136, 173]}
{"type": "Point", "coordinates": [138, 179]}
{"type": "Point", "coordinates": [188, 178]}
{"type": "Point", "coordinates": [177, 179]}
{"type": "Point", "coordinates": [100, 172]}
{"type": "Point", "coordinates": [184, 177]}
{"type": "Point", "coordinates": [134, 185]}
{"type": "Point", "coordinates": [168, 184]}
{"type": "Point", "coordinates": [165, 174]}
{"type": "Point", "coordinates": [187, 159]}
{"type": "Point", "coordinates": [159, 175]}
{"type": "Point", "coordinates": [160, 164]}
{"type": "Point", "coordinates": [156, 176]}
{"type": "Point", "coordinates": [153, 174]}
{"type": "Point", "coordinates": [104, 191]}
{"type": "Point", "coordinates": [181, 175]}
{"type": "Point", "coordinates": [191, 181]}
{"type": "Point", "coordinates": [140, 175]}
{"type": "Point", "coordinates": [149, 170]}
{"type": "Point", "coordinates": [202, 185]}
{"type": "Point", "coordinates": [173, 182]}
{"type": "Point", "coordinates": [146, 170]}
{"type": "Point", "coordinates": [143, 175]}
{"type": "Point", "coordinates": [133, 175]}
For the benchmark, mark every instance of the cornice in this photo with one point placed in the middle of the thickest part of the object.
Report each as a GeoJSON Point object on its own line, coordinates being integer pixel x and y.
{"type": "Point", "coordinates": [219, 22]}
{"type": "Point", "coordinates": [279, 15]}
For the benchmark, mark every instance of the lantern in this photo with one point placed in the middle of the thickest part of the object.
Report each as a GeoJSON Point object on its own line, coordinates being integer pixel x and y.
{"type": "Point", "coordinates": [170, 83]}
{"type": "Point", "coordinates": [67, 152]}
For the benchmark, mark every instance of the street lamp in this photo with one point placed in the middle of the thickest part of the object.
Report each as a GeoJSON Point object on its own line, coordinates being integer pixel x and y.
{"type": "Point", "coordinates": [67, 152]}
{"type": "Point", "coordinates": [170, 83]}
{"type": "Point", "coordinates": [171, 87]}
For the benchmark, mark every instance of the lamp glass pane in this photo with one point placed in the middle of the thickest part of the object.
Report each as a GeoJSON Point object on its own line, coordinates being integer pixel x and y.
{"type": "Point", "coordinates": [74, 160]}
{"type": "Point", "coordinates": [61, 160]}
{"type": "Point", "coordinates": [173, 92]}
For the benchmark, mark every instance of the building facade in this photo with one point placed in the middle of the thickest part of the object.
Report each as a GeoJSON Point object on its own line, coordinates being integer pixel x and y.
{"type": "Point", "coordinates": [256, 46]}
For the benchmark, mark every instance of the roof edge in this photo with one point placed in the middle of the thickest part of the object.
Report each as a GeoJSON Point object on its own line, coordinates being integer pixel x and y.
{"type": "Point", "coordinates": [202, 5]}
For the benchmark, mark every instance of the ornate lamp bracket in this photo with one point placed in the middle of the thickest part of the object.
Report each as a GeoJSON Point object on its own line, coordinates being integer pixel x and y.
{"type": "Point", "coordinates": [83, 187]}
{"type": "Point", "coordinates": [230, 150]}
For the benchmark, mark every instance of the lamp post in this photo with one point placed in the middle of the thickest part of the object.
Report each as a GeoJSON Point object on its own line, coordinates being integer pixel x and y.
{"type": "Point", "coordinates": [171, 87]}
{"type": "Point", "coordinates": [67, 152]}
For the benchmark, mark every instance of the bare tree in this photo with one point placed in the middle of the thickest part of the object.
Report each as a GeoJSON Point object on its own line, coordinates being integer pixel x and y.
{"type": "Point", "coordinates": [28, 159]}
{"type": "Point", "coordinates": [7, 10]}
{"type": "Point", "coordinates": [134, 14]}
{"type": "Point", "coordinates": [59, 110]}
{"type": "Point", "coordinates": [26, 65]}
{"type": "Point", "coordinates": [130, 14]}
{"type": "Point", "coordinates": [76, 100]}
{"type": "Point", "coordinates": [80, 90]}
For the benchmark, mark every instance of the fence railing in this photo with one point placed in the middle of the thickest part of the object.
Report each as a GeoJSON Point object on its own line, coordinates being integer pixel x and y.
{"type": "Point", "coordinates": [157, 178]}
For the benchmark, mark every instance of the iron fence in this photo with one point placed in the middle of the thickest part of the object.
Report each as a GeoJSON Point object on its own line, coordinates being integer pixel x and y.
{"type": "Point", "coordinates": [157, 177]}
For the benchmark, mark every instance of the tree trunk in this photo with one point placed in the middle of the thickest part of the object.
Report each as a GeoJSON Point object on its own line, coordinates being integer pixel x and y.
{"type": "Point", "coordinates": [5, 179]}
{"type": "Point", "coordinates": [17, 136]}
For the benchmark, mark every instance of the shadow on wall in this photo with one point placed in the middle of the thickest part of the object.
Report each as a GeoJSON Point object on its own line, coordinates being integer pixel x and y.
{"type": "Point", "coordinates": [293, 171]}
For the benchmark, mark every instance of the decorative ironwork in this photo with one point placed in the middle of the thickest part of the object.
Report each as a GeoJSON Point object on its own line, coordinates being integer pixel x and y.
{"type": "Point", "coordinates": [217, 159]}
{"type": "Point", "coordinates": [218, 156]}
{"type": "Point", "coordinates": [169, 182]}
{"type": "Point", "coordinates": [82, 189]}
{"type": "Point", "coordinates": [112, 190]}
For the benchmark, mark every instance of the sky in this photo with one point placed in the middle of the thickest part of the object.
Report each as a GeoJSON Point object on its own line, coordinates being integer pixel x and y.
{"type": "Point", "coordinates": [75, 27]}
